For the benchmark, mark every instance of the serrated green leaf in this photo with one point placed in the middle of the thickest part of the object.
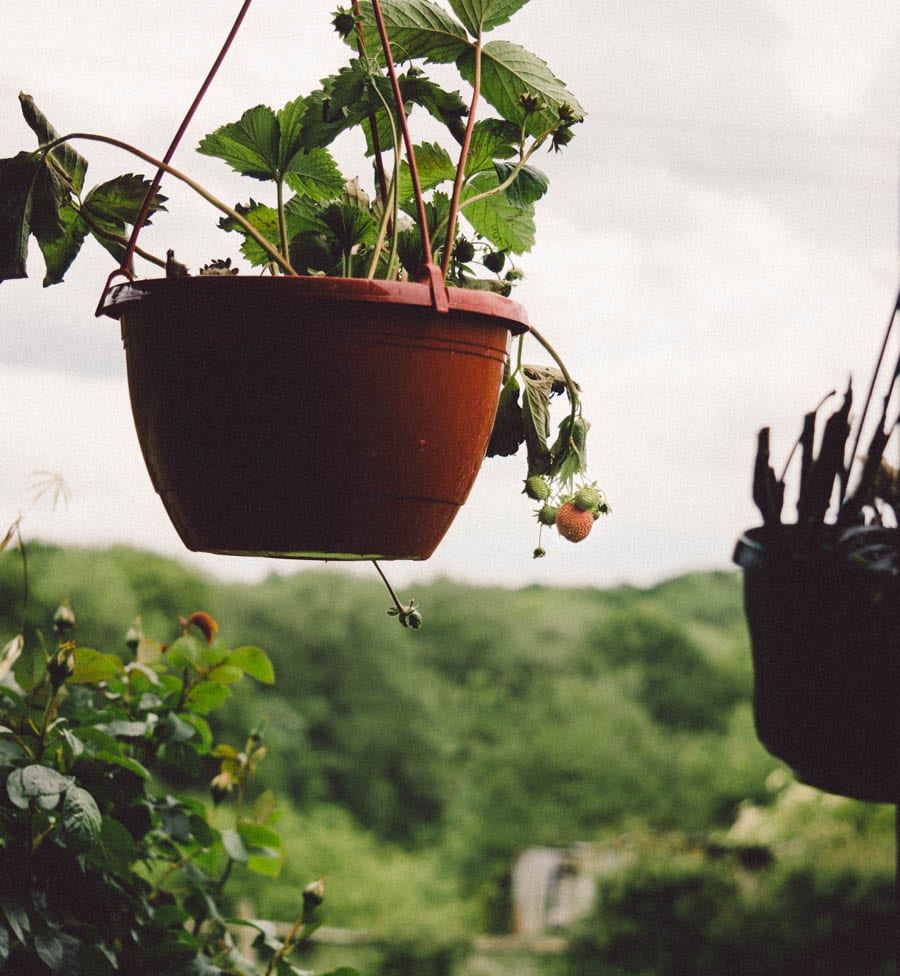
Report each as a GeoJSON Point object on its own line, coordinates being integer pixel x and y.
{"type": "Point", "coordinates": [507, 72]}
{"type": "Point", "coordinates": [484, 15]}
{"type": "Point", "coordinates": [250, 146]}
{"type": "Point", "coordinates": [527, 188]}
{"type": "Point", "coordinates": [492, 139]}
{"type": "Point", "coordinates": [416, 29]}
{"type": "Point", "coordinates": [569, 450]}
{"type": "Point", "coordinates": [314, 174]}
{"type": "Point", "coordinates": [81, 820]}
{"type": "Point", "coordinates": [507, 225]}
{"type": "Point", "coordinates": [289, 119]}
{"type": "Point", "coordinates": [253, 661]}
{"type": "Point", "coordinates": [92, 666]}
{"type": "Point", "coordinates": [60, 251]}
{"type": "Point", "coordinates": [434, 167]}
{"type": "Point", "coordinates": [345, 100]}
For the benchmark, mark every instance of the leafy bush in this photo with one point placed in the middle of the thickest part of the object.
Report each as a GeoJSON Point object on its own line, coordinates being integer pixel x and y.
{"type": "Point", "coordinates": [104, 869]}
{"type": "Point", "coordinates": [683, 914]}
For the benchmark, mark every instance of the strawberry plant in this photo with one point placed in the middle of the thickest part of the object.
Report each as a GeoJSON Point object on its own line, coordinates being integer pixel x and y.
{"type": "Point", "coordinates": [459, 209]}
{"type": "Point", "coordinates": [103, 867]}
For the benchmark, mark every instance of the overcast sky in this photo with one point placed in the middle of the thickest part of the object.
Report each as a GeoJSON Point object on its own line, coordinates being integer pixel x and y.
{"type": "Point", "coordinates": [718, 249]}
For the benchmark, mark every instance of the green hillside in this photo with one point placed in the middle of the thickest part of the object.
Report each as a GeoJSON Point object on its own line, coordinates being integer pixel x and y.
{"type": "Point", "coordinates": [413, 766]}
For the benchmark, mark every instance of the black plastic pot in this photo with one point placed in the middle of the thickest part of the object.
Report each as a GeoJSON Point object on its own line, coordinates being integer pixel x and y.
{"type": "Point", "coordinates": [825, 635]}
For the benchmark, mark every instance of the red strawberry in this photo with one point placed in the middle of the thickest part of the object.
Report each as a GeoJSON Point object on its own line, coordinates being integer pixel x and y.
{"type": "Point", "coordinates": [572, 523]}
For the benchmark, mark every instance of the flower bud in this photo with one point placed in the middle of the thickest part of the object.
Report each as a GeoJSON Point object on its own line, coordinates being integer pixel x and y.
{"type": "Point", "coordinates": [313, 894]}
{"type": "Point", "coordinates": [61, 666]}
{"type": "Point", "coordinates": [64, 618]}
{"type": "Point", "coordinates": [134, 635]}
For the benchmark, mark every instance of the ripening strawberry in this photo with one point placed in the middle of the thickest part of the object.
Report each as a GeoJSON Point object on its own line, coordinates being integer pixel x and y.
{"type": "Point", "coordinates": [572, 523]}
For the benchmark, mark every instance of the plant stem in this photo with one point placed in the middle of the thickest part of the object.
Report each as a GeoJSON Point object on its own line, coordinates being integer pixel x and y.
{"type": "Point", "coordinates": [571, 385]}
{"type": "Point", "coordinates": [390, 588]}
{"type": "Point", "coordinates": [461, 165]}
{"type": "Point", "coordinates": [393, 213]}
{"type": "Point", "coordinates": [245, 225]}
{"type": "Point", "coordinates": [282, 221]}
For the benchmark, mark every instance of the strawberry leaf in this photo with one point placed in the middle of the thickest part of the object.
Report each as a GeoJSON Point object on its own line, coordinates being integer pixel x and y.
{"type": "Point", "coordinates": [18, 176]}
{"type": "Point", "coordinates": [251, 146]}
{"type": "Point", "coordinates": [509, 431]}
{"type": "Point", "coordinates": [483, 15]}
{"type": "Point", "coordinates": [507, 72]}
{"type": "Point", "coordinates": [72, 163]}
{"type": "Point", "coordinates": [416, 29]}
{"type": "Point", "coordinates": [315, 175]}
{"type": "Point", "coordinates": [434, 167]}
{"type": "Point", "coordinates": [62, 249]}
{"type": "Point", "coordinates": [536, 419]}
{"type": "Point", "coordinates": [506, 223]}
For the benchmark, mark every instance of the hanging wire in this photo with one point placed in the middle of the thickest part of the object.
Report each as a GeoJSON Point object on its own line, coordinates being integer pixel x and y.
{"type": "Point", "coordinates": [125, 266]}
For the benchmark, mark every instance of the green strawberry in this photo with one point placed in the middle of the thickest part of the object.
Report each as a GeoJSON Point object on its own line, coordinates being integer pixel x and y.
{"type": "Point", "coordinates": [589, 498]}
{"type": "Point", "coordinates": [547, 514]}
{"type": "Point", "coordinates": [536, 487]}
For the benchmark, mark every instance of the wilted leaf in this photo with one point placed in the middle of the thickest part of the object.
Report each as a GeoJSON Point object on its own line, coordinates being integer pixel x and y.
{"type": "Point", "coordinates": [73, 163]}
{"type": "Point", "coordinates": [536, 418]}
{"type": "Point", "coordinates": [509, 431]}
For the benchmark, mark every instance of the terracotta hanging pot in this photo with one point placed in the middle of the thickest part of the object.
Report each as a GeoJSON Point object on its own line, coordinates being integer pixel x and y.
{"type": "Point", "coordinates": [825, 633]}
{"type": "Point", "coordinates": [311, 417]}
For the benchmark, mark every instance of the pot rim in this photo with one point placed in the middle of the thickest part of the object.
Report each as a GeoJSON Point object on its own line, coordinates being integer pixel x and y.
{"type": "Point", "coordinates": [125, 296]}
{"type": "Point", "coordinates": [760, 547]}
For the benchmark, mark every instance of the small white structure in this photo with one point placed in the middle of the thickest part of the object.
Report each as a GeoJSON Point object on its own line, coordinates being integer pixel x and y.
{"type": "Point", "coordinates": [553, 888]}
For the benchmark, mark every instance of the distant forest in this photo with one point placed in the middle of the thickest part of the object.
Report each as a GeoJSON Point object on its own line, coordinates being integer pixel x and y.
{"type": "Point", "coordinates": [413, 766]}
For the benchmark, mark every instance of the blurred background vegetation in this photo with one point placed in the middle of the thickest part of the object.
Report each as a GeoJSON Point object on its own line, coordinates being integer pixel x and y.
{"type": "Point", "coordinates": [413, 767]}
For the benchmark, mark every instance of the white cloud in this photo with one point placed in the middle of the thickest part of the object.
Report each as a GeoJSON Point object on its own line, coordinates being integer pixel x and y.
{"type": "Point", "coordinates": [717, 249]}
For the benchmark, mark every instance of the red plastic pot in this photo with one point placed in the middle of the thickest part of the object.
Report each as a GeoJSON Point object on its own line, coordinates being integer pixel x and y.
{"type": "Point", "coordinates": [309, 417]}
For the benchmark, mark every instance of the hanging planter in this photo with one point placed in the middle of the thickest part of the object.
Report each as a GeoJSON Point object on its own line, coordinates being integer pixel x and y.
{"type": "Point", "coordinates": [822, 601]}
{"type": "Point", "coordinates": [337, 403]}
{"type": "Point", "coordinates": [350, 422]}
